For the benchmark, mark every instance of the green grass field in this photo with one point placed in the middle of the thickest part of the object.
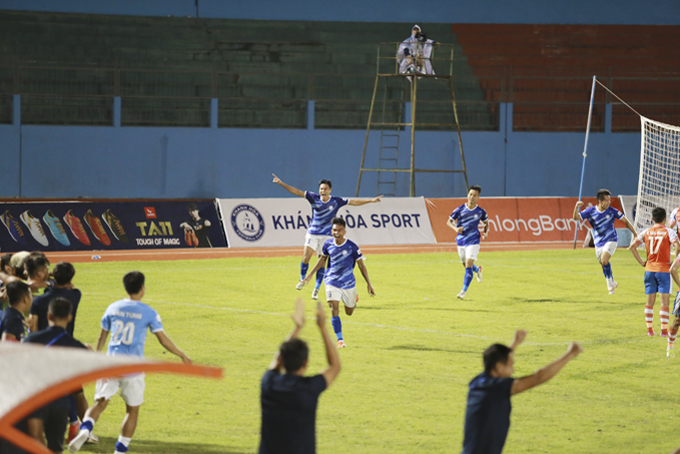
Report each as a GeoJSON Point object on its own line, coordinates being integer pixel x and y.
{"type": "Point", "coordinates": [411, 352]}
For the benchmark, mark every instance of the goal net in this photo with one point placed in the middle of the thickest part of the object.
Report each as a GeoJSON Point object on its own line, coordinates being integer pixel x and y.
{"type": "Point", "coordinates": [659, 183]}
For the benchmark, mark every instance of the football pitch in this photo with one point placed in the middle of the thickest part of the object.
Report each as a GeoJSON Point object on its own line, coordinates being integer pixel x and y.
{"type": "Point", "coordinates": [411, 352]}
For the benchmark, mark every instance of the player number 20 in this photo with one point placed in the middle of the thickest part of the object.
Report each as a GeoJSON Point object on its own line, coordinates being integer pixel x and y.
{"type": "Point", "coordinates": [123, 332]}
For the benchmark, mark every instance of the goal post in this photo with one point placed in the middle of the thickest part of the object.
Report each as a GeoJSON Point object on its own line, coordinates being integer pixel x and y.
{"type": "Point", "coordinates": [659, 181]}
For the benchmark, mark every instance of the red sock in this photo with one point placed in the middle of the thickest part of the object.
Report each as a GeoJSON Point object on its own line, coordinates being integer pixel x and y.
{"type": "Point", "coordinates": [649, 316]}
{"type": "Point", "coordinates": [664, 315]}
{"type": "Point", "coordinates": [671, 337]}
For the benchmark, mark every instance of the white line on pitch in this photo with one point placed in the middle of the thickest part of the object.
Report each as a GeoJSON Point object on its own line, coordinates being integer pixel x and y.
{"type": "Point", "coordinates": [391, 327]}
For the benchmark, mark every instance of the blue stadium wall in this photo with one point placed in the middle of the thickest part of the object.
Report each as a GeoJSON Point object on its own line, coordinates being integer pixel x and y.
{"type": "Point", "coordinates": [135, 162]}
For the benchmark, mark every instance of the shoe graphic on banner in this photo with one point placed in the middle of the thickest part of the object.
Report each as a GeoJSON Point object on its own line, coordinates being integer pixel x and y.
{"type": "Point", "coordinates": [115, 226]}
{"type": "Point", "coordinates": [13, 227]}
{"type": "Point", "coordinates": [190, 238]}
{"type": "Point", "coordinates": [97, 228]}
{"type": "Point", "coordinates": [76, 228]}
{"type": "Point", "coordinates": [56, 228]}
{"type": "Point", "coordinates": [34, 227]}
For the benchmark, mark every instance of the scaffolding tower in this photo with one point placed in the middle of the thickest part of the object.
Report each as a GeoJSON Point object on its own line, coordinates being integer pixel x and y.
{"type": "Point", "coordinates": [407, 74]}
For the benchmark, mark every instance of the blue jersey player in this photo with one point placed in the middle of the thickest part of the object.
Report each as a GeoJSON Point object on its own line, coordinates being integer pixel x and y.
{"type": "Point", "coordinates": [465, 222]}
{"type": "Point", "coordinates": [341, 254]}
{"type": "Point", "coordinates": [324, 208]}
{"type": "Point", "coordinates": [601, 219]}
{"type": "Point", "coordinates": [128, 321]}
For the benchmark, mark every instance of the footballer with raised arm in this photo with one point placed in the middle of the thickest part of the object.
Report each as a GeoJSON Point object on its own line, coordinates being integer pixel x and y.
{"type": "Point", "coordinates": [324, 208]}
{"type": "Point", "coordinates": [601, 218]}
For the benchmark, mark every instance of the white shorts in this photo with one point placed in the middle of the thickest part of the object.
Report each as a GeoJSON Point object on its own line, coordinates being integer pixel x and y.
{"type": "Point", "coordinates": [348, 296]}
{"type": "Point", "coordinates": [316, 242]}
{"type": "Point", "coordinates": [468, 252]}
{"type": "Point", "coordinates": [131, 389]}
{"type": "Point", "coordinates": [609, 247]}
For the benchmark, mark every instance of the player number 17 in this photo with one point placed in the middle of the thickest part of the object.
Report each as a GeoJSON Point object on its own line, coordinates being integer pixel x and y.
{"type": "Point", "coordinates": [655, 245]}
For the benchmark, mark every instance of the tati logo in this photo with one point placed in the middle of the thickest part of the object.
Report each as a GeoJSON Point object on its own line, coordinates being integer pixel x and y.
{"type": "Point", "coordinates": [150, 212]}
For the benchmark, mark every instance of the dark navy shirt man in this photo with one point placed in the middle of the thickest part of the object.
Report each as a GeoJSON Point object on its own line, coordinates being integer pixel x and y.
{"type": "Point", "coordinates": [63, 273]}
{"type": "Point", "coordinates": [289, 399]}
{"type": "Point", "coordinates": [12, 324]}
{"type": "Point", "coordinates": [53, 418]}
{"type": "Point", "coordinates": [487, 416]}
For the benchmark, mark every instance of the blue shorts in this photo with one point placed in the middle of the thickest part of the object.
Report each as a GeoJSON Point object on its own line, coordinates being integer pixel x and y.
{"type": "Point", "coordinates": [657, 283]}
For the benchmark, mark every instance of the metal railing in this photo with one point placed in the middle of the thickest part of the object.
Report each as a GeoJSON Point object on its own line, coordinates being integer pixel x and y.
{"type": "Point", "coordinates": [82, 95]}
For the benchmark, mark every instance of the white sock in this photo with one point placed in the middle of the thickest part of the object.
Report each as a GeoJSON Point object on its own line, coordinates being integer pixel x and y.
{"type": "Point", "coordinates": [122, 445]}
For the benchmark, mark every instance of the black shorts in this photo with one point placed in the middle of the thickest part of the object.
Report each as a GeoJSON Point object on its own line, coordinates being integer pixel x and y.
{"type": "Point", "coordinates": [55, 423]}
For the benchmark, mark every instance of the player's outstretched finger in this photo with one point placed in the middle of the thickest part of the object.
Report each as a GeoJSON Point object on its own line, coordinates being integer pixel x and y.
{"type": "Point", "coordinates": [575, 348]}
{"type": "Point", "coordinates": [320, 314]}
{"type": "Point", "coordinates": [299, 314]}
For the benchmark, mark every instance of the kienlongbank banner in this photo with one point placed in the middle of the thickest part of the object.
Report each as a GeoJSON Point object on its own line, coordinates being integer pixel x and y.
{"type": "Point", "coordinates": [284, 222]}
{"type": "Point", "coordinates": [519, 219]}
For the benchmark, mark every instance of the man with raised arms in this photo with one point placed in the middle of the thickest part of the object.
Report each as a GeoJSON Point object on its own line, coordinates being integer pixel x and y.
{"type": "Point", "coordinates": [288, 398]}
{"type": "Point", "coordinates": [601, 218]}
{"type": "Point", "coordinates": [487, 416]}
{"type": "Point", "coordinates": [465, 222]}
{"type": "Point", "coordinates": [324, 208]}
{"type": "Point", "coordinates": [340, 282]}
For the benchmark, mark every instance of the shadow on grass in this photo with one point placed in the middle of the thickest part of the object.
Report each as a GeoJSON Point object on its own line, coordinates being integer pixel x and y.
{"type": "Point", "coordinates": [422, 348]}
{"type": "Point", "coordinates": [537, 300]}
{"type": "Point", "coordinates": [456, 309]}
{"type": "Point", "coordinates": [107, 444]}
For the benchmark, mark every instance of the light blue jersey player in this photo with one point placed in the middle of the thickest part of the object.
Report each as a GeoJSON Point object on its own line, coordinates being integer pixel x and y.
{"type": "Point", "coordinates": [324, 208]}
{"type": "Point", "coordinates": [465, 222]}
{"type": "Point", "coordinates": [341, 254]}
{"type": "Point", "coordinates": [127, 321]}
{"type": "Point", "coordinates": [602, 218]}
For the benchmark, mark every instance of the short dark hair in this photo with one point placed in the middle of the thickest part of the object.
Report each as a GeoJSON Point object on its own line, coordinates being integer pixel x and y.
{"type": "Point", "coordinates": [339, 221]}
{"type": "Point", "coordinates": [328, 182]}
{"type": "Point", "coordinates": [476, 188]}
{"type": "Point", "coordinates": [191, 207]}
{"type": "Point", "coordinates": [34, 262]}
{"type": "Point", "coordinates": [497, 353]}
{"type": "Point", "coordinates": [133, 282]}
{"type": "Point", "coordinates": [4, 261]}
{"type": "Point", "coordinates": [601, 193]}
{"type": "Point", "coordinates": [658, 214]}
{"type": "Point", "coordinates": [63, 273]}
{"type": "Point", "coordinates": [294, 353]}
{"type": "Point", "coordinates": [17, 291]}
{"type": "Point", "coordinates": [60, 308]}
